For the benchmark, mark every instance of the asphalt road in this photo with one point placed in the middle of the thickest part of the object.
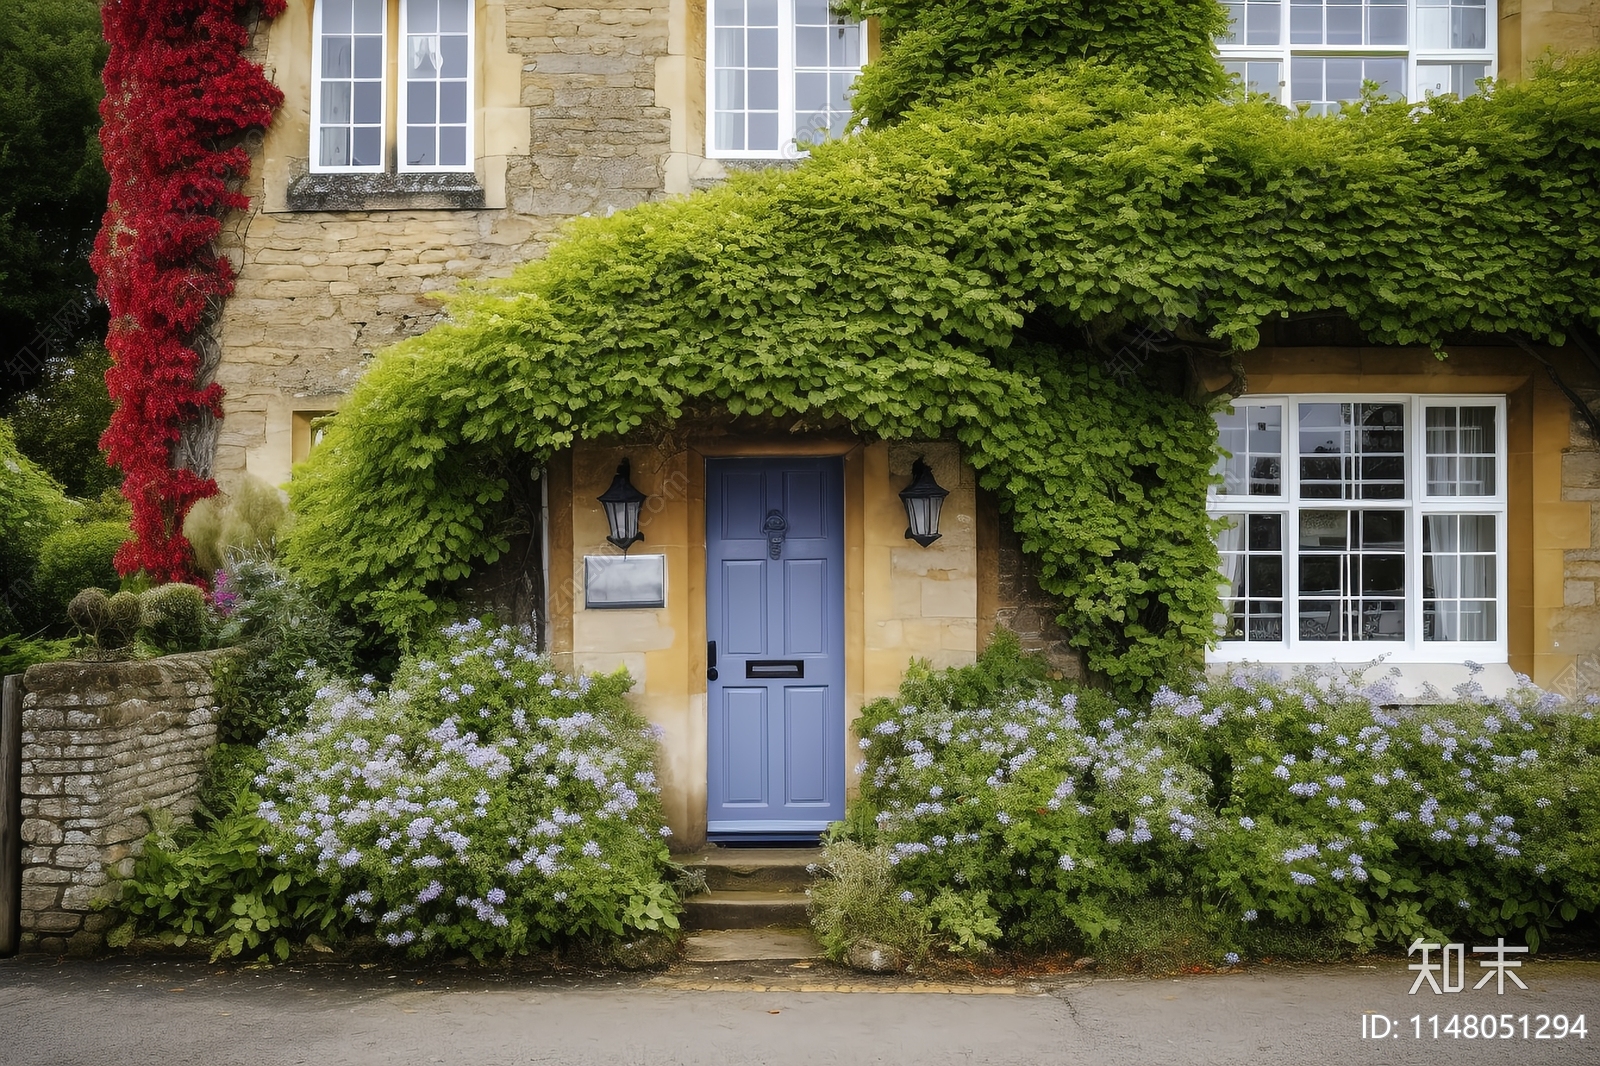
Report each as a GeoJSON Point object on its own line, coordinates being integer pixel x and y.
{"type": "Point", "coordinates": [181, 1012]}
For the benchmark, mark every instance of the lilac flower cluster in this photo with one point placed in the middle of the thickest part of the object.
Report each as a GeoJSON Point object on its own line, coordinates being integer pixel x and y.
{"type": "Point", "coordinates": [1323, 798]}
{"type": "Point", "coordinates": [472, 799]}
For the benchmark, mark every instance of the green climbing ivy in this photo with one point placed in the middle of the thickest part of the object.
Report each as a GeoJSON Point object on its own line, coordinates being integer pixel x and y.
{"type": "Point", "coordinates": [944, 276]}
{"type": "Point", "coordinates": [930, 48]}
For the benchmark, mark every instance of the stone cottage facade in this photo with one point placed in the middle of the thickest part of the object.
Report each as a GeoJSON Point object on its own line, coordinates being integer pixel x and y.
{"type": "Point", "coordinates": [426, 142]}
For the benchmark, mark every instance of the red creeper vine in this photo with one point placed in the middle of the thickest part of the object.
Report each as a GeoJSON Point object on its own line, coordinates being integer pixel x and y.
{"type": "Point", "coordinates": [179, 95]}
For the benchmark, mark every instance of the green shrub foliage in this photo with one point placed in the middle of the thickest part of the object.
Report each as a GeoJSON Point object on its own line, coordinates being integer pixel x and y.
{"type": "Point", "coordinates": [60, 420]}
{"type": "Point", "coordinates": [17, 653]}
{"type": "Point", "coordinates": [1256, 805]}
{"type": "Point", "coordinates": [75, 557]}
{"type": "Point", "coordinates": [941, 278]}
{"type": "Point", "coordinates": [286, 638]}
{"type": "Point", "coordinates": [485, 802]}
{"type": "Point", "coordinates": [32, 506]}
{"type": "Point", "coordinates": [858, 898]}
{"type": "Point", "coordinates": [210, 883]}
{"type": "Point", "coordinates": [173, 618]}
{"type": "Point", "coordinates": [110, 622]}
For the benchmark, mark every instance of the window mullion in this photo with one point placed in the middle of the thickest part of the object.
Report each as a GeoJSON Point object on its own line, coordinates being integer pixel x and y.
{"type": "Point", "coordinates": [786, 69]}
{"type": "Point", "coordinates": [1416, 494]}
{"type": "Point", "coordinates": [1291, 516]}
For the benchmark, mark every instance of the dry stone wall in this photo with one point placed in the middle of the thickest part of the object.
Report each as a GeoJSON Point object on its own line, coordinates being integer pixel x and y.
{"type": "Point", "coordinates": [102, 744]}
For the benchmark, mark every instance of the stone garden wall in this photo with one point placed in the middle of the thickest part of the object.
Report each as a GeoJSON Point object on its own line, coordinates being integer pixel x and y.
{"type": "Point", "coordinates": [102, 743]}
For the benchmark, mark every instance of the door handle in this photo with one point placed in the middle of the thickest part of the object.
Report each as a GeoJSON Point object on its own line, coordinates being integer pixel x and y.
{"type": "Point", "coordinates": [711, 660]}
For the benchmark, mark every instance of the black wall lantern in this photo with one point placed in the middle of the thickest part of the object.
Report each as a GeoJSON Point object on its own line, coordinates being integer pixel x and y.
{"type": "Point", "coordinates": [923, 499]}
{"type": "Point", "coordinates": [622, 502]}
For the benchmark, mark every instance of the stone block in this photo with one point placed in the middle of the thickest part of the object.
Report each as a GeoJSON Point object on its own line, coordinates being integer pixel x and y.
{"type": "Point", "coordinates": [54, 921]}
{"type": "Point", "coordinates": [83, 944]}
{"type": "Point", "coordinates": [100, 921]}
{"type": "Point", "coordinates": [40, 831]}
{"type": "Point", "coordinates": [40, 897]}
{"type": "Point", "coordinates": [81, 897]}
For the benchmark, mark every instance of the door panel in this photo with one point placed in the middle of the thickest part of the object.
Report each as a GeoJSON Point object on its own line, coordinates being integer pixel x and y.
{"type": "Point", "coordinates": [745, 744]}
{"type": "Point", "coordinates": [805, 584]}
{"type": "Point", "coordinates": [806, 723]}
{"type": "Point", "coordinates": [744, 600]}
{"type": "Point", "coordinates": [775, 577]}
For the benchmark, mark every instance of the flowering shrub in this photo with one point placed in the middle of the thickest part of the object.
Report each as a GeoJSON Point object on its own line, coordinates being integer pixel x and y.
{"type": "Point", "coordinates": [278, 625]}
{"type": "Point", "coordinates": [1313, 804]}
{"type": "Point", "coordinates": [484, 801]}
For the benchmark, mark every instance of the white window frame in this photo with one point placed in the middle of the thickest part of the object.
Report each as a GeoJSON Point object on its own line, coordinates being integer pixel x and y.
{"type": "Point", "coordinates": [787, 147]}
{"type": "Point", "coordinates": [1416, 504]}
{"type": "Point", "coordinates": [1284, 52]}
{"type": "Point", "coordinates": [315, 164]}
{"type": "Point", "coordinates": [401, 124]}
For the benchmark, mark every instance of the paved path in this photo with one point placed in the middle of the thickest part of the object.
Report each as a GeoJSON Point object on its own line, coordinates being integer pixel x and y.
{"type": "Point", "coordinates": [182, 1012]}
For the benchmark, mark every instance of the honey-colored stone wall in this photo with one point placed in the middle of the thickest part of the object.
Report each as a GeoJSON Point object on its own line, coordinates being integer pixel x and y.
{"type": "Point", "coordinates": [1531, 30]}
{"type": "Point", "coordinates": [902, 601]}
{"type": "Point", "coordinates": [1574, 620]}
{"type": "Point", "coordinates": [581, 109]}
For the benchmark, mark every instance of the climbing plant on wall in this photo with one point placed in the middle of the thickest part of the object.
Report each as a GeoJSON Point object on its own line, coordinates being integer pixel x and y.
{"type": "Point", "coordinates": [179, 95]}
{"type": "Point", "coordinates": [954, 274]}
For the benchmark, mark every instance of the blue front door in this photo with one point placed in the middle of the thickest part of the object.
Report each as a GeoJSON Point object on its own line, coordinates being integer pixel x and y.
{"type": "Point", "coordinates": [775, 623]}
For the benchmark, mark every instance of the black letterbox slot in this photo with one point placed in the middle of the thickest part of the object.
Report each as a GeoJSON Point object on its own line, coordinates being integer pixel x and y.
{"type": "Point", "coordinates": [771, 668]}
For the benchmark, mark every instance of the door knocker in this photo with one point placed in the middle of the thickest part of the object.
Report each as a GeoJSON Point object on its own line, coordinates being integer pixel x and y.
{"type": "Point", "coordinates": [775, 528]}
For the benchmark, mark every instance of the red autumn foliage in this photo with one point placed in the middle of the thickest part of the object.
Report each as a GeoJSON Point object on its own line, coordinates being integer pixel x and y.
{"type": "Point", "coordinates": [179, 94]}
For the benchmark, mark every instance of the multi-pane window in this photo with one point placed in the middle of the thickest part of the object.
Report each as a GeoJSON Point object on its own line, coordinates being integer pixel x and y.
{"type": "Point", "coordinates": [1254, 23]}
{"type": "Point", "coordinates": [1347, 22]}
{"type": "Point", "coordinates": [1459, 79]}
{"type": "Point", "coordinates": [1324, 82]}
{"type": "Point", "coordinates": [436, 61]}
{"type": "Point", "coordinates": [1325, 49]}
{"type": "Point", "coordinates": [1452, 24]}
{"type": "Point", "coordinates": [780, 74]}
{"type": "Point", "coordinates": [354, 64]}
{"type": "Point", "coordinates": [1257, 75]}
{"type": "Point", "coordinates": [1357, 526]}
{"type": "Point", "coordinates": [347, 94]}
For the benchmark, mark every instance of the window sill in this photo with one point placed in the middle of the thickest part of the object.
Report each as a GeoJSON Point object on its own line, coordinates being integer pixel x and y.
{"type": "Point", "coordinates": [385, 192]}
{"type": "Point", "coordinates": [1415, 682]}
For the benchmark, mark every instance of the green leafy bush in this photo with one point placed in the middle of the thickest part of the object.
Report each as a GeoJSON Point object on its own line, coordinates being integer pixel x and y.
{"type": "Point", "coordinates": [484, 802]}
{"type": "Point", "coordinates": [78, 555]}
{"type": "Point", "coordinates": [59, 421]}
{"type": "Point", "coordinates": [969, 273]}
{"type": "Point", "coordinates": [18, 653]}
{"type": "Point", "coordinates": [32, 505]}
{"type": "Point", "coordinates": [286, 638]}
{"type": "Point", "coordinates": [1251, 806]}
{"type": "Point", "coordinates": [174, 618]}
{"type": "Point", "coordinates": [211, 884]}
{"type": "Point", "coordinates": [111, 623]}
{"type": "Point", "coordinates": [859, 899]}
{"type": "Point", "coordinates": [929, 49]}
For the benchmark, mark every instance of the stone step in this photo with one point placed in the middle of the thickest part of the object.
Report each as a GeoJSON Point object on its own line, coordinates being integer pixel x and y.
{"type": "Point", "coordinates": [750, 945]}
{"type": "Point", "coordinates": [760, 869]}
{"type": "Point", "coordinates": [745, 909]}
